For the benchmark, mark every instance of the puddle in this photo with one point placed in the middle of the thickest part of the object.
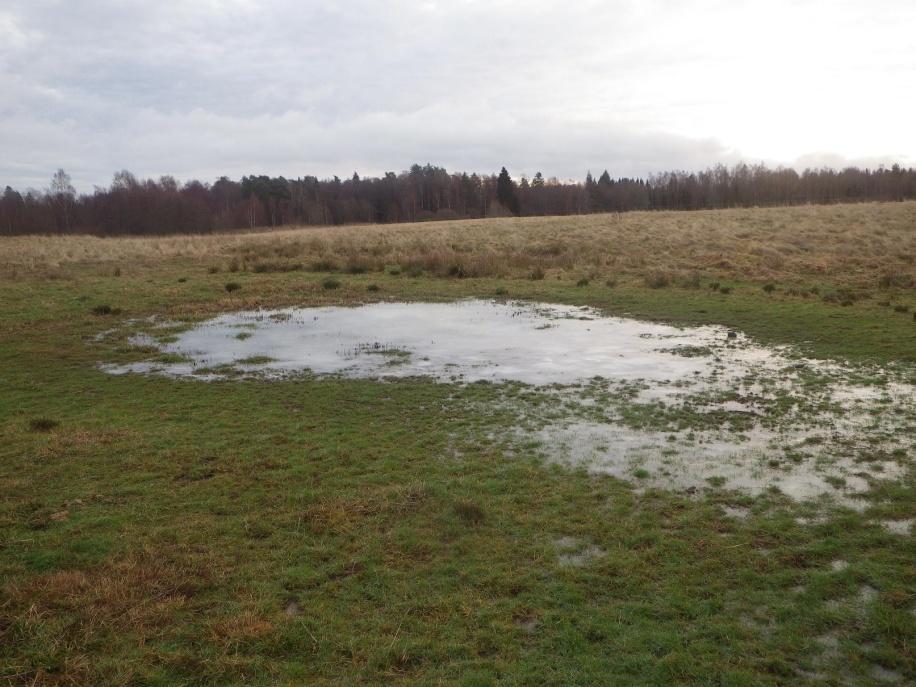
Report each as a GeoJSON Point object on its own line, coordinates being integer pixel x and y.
{"type": "Point", "coordinates": [469, 340]}
{"type": "Point", "coordinates": [882, 674]}
{"type": "Point", "coordinates": [751, 462]}
{"type": "Point", "coordinates": [737, 512]}
{"type": "Point", "coordinates": [572, 554]}
{"type": "Point", "coordinates": [901, 527]}
{"type": "Point", "coordinates": [694, 408]}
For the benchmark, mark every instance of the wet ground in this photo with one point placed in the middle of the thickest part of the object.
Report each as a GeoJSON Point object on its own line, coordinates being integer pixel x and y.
{"type": "Point", "coordinates": [685, 408]}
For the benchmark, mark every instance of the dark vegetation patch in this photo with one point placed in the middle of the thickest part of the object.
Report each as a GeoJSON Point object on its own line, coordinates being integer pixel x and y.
{"type": "Point", "coordinates": [469, 512]}
{"type": "Point", "coordinates": [42, 424]}
{"type": "Point", "coordinates": [657, 279]}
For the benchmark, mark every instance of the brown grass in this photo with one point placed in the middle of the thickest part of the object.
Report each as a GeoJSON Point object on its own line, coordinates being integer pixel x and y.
{"type": "Point", "coordinates": [74, 612]}
{"type": "Point", "coordinates": [344, 514]}
{"type": "Point", "coordinates": [865, 245]}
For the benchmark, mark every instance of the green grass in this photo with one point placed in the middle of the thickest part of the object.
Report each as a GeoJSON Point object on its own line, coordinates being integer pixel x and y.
{"type": "Point", "coordinates": [162, 531]}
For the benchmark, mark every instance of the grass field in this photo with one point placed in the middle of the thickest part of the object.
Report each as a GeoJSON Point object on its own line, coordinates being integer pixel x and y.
{"type": "Point", "coordinates": [344, 531]}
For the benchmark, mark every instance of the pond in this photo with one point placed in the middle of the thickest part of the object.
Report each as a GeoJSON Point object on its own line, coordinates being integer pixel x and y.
{"type": "Point", "coordinates": [688, 408]}
{"type": "Point", "coordinates": [470, 340]}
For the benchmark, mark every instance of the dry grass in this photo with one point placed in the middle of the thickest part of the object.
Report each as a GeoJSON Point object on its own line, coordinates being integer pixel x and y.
{"type": "Point", "coordinates": [345, 514]}
{"type": "Point", "coordinates": [73, 612]}
{"type": "Point", "coordinates": [864, 245]}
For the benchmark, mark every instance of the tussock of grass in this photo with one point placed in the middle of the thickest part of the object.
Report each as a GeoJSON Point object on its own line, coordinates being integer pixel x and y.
{"type": "Point", "coordinates": [657, 279]}
{"type": "Point", "coordinates": [42, 424]}
{"type": "Point", "coordinates": [274, 266]}
{"type": "Point", "coordinates": [469, 512]}
{"type": "Point", "coordinates": [324, 265]}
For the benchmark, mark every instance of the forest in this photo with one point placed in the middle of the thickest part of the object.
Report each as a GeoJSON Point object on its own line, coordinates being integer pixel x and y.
{"type": "Point", "coordinates": [132, 206]}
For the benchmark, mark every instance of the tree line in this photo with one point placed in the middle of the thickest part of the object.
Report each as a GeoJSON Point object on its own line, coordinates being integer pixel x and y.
{"type": "Point", "coordinates": [135, 206]}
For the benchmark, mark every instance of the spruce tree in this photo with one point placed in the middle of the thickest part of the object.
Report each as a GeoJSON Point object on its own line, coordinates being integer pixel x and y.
{"type": "Point", "coordinates": [505, 192]}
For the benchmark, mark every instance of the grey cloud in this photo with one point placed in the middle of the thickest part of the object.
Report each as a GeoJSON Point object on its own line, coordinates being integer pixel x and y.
{"type": "Point", "coordinates": [236, 86]}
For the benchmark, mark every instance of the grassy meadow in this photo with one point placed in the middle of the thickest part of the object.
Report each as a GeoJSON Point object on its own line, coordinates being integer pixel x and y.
{"type": "Point", "coordinates": [330, 531]}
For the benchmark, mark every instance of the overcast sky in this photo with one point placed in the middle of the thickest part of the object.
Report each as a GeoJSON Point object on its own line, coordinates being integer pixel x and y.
{"type": "Point", "coordinates": [201, 88]}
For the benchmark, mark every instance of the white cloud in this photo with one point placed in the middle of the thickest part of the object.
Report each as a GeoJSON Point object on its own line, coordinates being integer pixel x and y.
{"type": "Point", "coordinates": [205, 88]}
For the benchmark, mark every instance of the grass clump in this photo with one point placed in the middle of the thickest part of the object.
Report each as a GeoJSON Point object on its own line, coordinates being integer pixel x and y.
{"type": "Point", "coordinates": [357, 266]}
{"type": "Point", "coordinates": [657, 279]}
{"type": "Point", "coordinates": [537, 274]}
{"type": "Point", "coordinates": [232, 286]}
{"type": "Point", "coordinates": [323, 265]}
{"type": "Point", "coordinates": [469, 512]}
{"type": "Point", "coordinates": [582, 282]}
{"type": "Point", "coordinates": [256, 360]}
{"type": "Point", "coordinates": [895, 279]}
{"type": "Point", "coordinates": [330, 283]}
{"type": "Point", "coordinates": [268, 266]}
{"type": "Point", "coordinates": [769, 288]}
{"type": "Point", "coordinates": [42, 424]}
{"type": "Point", "coordinates": [213, 269]}
{"type": "Point", "coordinates": [457, 270]}
{"type": "Point", "coordinates": [690, 280]}
{"type": "Point", "coordinates": [103, 309]}
{"type": "Point", "coordinates": [373, 288]}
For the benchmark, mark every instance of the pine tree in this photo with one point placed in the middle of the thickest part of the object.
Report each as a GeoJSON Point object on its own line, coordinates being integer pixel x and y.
{"type": "Point", "coordinates": [505, 192]}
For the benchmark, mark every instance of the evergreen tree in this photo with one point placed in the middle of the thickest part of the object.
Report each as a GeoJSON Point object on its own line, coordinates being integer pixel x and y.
{"type": "Point", "coordinates": [505, 192]}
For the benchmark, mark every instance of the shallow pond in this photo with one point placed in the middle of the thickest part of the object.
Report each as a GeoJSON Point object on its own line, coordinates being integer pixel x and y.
{"type": "Point", "coordinates": [470, 340]}
{"type": "Point", "coordinates": [686, 408]}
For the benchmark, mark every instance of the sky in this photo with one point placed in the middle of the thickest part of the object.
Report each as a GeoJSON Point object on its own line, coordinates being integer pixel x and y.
{"type": "Point", "coordinates": [202, 88]}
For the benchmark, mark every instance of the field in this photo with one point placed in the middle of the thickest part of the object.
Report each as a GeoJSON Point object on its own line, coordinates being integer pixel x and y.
{"type": "Point", "coordinates": [331, 530]}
